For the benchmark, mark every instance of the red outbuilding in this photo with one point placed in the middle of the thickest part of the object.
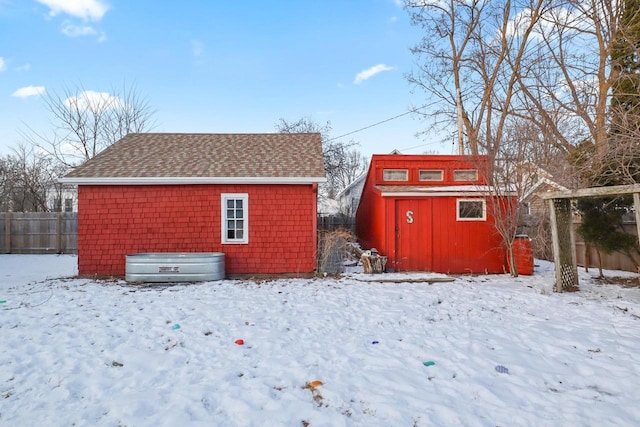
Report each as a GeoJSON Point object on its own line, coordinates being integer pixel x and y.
{"type": "Point", "coordinates": [252, 197]}
{"type": "Point", "coordinates": [431, 213]}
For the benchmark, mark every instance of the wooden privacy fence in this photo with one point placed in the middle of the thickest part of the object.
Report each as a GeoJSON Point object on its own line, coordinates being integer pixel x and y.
{"type": "Point", "coordinates": [39, 232]}
{"type": "Point", "coordinates": [336, 222]}
{"type": "Point", "coordinates": [587, 256]}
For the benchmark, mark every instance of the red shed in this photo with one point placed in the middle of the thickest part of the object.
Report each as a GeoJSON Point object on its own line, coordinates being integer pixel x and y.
{"type": "Point", "coordinates": [251, 196]}
{"type": "Point", "coordinates": [430, 213]}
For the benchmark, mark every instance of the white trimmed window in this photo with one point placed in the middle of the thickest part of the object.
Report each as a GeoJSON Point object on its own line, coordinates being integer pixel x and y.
{"type": "Point", "coordinates": [471, 210]}
{"type": "Point", "coordinates": [395, 175]}
{"type": "Point", "coordinates": [465, 175]}
{"type": "Point", "coordinates": [430, 175]}
{"type": "Point", "coordinates": [235, 218]}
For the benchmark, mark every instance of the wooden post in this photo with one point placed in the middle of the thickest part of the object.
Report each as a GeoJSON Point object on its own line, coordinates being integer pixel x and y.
{"type": "Point", "coordinates": [7, 232]}
{"type": "Point", "coordinates": [587, 256]}
{"type": "Point", "coordinates": [636, 205]}
{"type": "Point", "coordinates": [59, 232]}
{"type": "Point", "coordinates": [556, 244]}
{"type": "Point", "coordinates": [574, 256]}
{"type": "Point", "coordinates": [564, 244]}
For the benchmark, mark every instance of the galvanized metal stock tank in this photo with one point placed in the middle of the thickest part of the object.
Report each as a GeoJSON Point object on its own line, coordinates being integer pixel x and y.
{"type": "Point", "coordinates": [174, 267]}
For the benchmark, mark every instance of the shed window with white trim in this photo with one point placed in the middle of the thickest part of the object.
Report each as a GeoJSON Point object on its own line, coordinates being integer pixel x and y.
{"type": "Point", "coordinates": [430, 175]}
{"type": "Point", "coordinates": [235, 218]}
{"type": "Point", "coordinates": [395, 175]}
{"type": "Point", "coordinates": [465, 175]}
{"type": "Point", "coordinates": [471, 210]}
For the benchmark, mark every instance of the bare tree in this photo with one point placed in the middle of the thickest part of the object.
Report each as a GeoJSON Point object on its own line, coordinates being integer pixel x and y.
{"type": "Point", "coordinates": [570, 78]}
{"type": "Point", "coordinates": [470, 57]}
{"type": "Point", "coordinates": [347, 164]}
{"type": "Point", "coordinates": [622, 162]}
{"type": "Point", "coordinates": [85, 122]}
{"type": "Point", "coordinates": [26, 179]}
{"type": "Point", "coordinates": [342, 162]}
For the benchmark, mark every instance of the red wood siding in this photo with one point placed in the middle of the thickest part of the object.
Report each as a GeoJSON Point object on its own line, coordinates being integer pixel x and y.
{"type": "Point", "coordinates": [435, 240]}
{"type": "Point", "coordinates": [114, 221]}
{"type": "Point", "coordinates": [415, 163]}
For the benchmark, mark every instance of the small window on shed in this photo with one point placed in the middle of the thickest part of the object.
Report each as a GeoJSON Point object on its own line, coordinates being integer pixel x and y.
{"type": "Point", "coordinates": [395, 175]}
{"type": "Point", "coordinates": [68, 205]}
{"type": "Point", "coordinates": [471, 210]}
{"type": "Point", "coordinates": [431, 175]}
{"type": "Point", "coordinates": [235, 218]}
{"type": "Point", "coordinates": [465, 175]}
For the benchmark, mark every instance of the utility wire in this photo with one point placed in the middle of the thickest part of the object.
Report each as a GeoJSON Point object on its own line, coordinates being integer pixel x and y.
{"type": "Point", "coordinates": [381, 122]}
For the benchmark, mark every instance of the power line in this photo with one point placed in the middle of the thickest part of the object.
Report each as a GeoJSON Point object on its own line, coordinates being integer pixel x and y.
{"type": "Point", "coordinates": [381, 122]}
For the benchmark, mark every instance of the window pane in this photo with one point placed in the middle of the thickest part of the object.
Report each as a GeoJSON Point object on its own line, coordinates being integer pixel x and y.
{"type": "Point", "coordinates": [430, 175]}
{"type": "Point", "coordinates": [235, 221]}
{"type": "Point", "coordinates": [470, 209]}
{"type": "Point", "coordinates": [465, 175]}
{"type": "Point", "coordinates": [395, 175]}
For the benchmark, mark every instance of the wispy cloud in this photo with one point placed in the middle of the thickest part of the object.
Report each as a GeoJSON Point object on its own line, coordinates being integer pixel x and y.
{"type": "Point", "coordinates": [92, 100]}
{"type": "Point", "coordinates": [27, 91]}
{"type": "Point", "coordinates": [197, 48]}
{"type": "Point", "coordinates": [83, 10]}
{"type": "Point", "coordinates": [370, 72]}
{"type": "Point", "coordinates": [88, 10]}
{"type": "Point", "coordinates": [73, 30]}
{"type": "Point", "coordinates": [3, 64]}
{"type": "Point", "coordinates": [25, 67]}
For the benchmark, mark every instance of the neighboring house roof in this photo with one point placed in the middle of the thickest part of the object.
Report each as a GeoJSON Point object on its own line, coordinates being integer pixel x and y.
{"type": "Point", "coordinates": [180, 158]}
{"type": "Point", "coordinates": [359, 181]}
{"type": "Point", "coordinates": [328, 207]}
{"type": "Point", "coordinates": [543, 184]}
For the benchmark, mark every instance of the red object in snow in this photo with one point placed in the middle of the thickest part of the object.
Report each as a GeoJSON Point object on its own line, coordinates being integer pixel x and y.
{"type": "Point", "coordinates": [523, 254]}
{"type": "Point", "coordinates": [240, 342]}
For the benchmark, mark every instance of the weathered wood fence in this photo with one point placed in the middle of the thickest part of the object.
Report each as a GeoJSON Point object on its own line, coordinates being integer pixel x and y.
{"type": "Point", "coordinates": [588, 255]}
{"type": "Point", "coordinates": [335, 222]}
{"type": "Point", "coordinates": [39, 232]}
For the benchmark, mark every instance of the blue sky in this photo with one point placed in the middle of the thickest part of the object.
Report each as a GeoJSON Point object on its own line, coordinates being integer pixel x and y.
{"type": "Point", "coordinates": [220, 66]}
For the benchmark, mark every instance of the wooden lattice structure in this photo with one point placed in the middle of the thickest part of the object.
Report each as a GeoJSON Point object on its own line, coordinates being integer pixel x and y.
{"type": "Point", "coordinates": [564, 248]}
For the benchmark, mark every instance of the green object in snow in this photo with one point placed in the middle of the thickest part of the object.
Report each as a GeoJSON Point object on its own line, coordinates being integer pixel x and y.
{"type": "Point", "coordinates": [176, 326]}
{"type": "Point", "coordinates": [2, 301]}
{"type": "Point", "coordinates": [429, 363]}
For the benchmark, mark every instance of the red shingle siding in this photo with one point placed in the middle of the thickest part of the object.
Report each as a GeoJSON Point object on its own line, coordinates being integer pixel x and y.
{"type": "Point", "coordinates": [117, 220]}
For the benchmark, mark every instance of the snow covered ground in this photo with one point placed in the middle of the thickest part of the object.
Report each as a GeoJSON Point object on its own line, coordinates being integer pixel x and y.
{"type": "Point", "coordinates": [478, 351]}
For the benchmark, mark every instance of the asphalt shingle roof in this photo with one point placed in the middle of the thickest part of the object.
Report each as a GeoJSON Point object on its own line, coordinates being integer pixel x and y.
{"type": "Point", "coordinates": [223, 156]}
